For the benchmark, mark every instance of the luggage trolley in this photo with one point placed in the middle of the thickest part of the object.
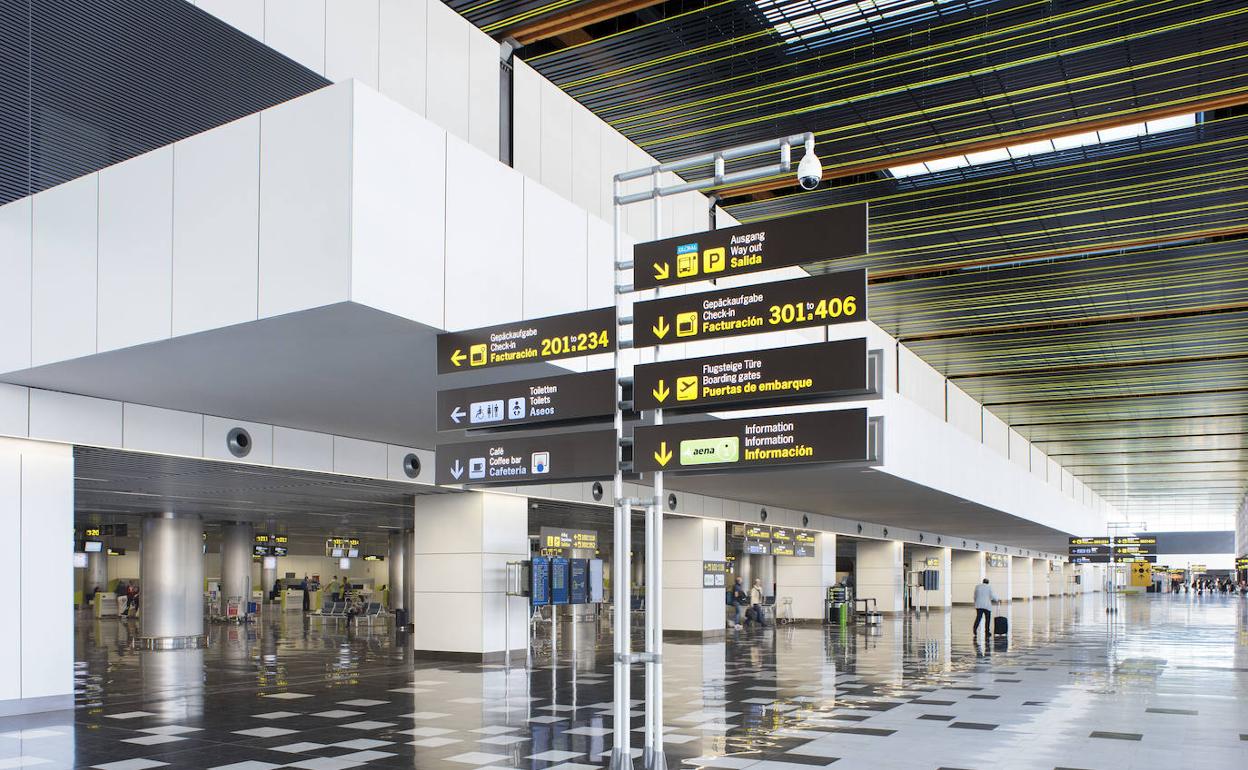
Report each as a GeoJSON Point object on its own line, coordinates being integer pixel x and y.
{"type": "Point", "coordinates": [867, 613]}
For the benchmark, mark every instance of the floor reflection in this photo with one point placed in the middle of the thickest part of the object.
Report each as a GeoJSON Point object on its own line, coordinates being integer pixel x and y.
{"type": "Point", "coordinates": [1162, 683]}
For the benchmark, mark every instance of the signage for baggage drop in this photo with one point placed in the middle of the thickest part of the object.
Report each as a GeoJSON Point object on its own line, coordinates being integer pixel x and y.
{"type": "Point", "coordinates": [561, 398]}
{"type": "Point", "coordinates": [749, 248]}
{"type": "Point", "coordinates": [802, 372]}
{"type": "Point", "coordinates": [756, 442]}
{"type": "Point", "coordinates": [820, 300]}
{"type": "Point", "coordinates": [525, 342]}
{"type": "Point", "coordinates": [518, 459]}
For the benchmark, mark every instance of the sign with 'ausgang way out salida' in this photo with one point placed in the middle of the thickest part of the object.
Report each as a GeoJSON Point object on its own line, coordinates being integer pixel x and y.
{"type": "Point", "coordinates": [817, 235]}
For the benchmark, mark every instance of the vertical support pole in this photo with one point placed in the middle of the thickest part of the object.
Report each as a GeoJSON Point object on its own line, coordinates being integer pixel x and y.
{"type": "Point", "coordinates": [621, 751]}
{"type": "Point", "coordinates": [653, 756]}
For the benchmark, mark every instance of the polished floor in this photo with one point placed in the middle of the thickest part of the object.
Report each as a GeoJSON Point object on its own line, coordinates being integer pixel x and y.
{"type": "Point", "coordinates": [1163, 685]}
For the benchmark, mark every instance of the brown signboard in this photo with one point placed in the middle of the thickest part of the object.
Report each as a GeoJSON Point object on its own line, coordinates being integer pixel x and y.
{"type": "Point", "coordinates": [525, 342]}
{"type": "Point", "coordinates": [749, 248]}
{"type": "Point", "coordinates": [821, 300]}
{"type": "Point", "coordinates": [561, 398]}
{"type": "Point", "coordinates": [794, 374]}
{"type": "Point", "coordinates": [741, 444]}
{"type": "Point", "coordinates": [511, 459]}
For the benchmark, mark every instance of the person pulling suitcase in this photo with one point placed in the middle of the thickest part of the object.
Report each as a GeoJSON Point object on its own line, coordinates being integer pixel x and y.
{"type": "Point", "coordinates": [984, 599]}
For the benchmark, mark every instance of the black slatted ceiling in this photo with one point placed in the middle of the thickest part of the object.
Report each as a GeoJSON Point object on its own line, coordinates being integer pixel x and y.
{"type": "Point", "coordinates": [89, 83]}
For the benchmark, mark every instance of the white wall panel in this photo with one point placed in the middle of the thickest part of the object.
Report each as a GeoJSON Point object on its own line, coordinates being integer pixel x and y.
{"type": "Point", "coordinates": [996, 434]}
{"type": "Point", "coordinates": [246, 15]}
{"type": "Point", "coordinates": [394, 463]}
{"type": "Point", "coordinates": [303, 449]}
{"type": "Point", "coordinates": [46, 530]}
{"type": "Point", "coordinates": [63, 281]}
{"type": "Point", "coordinates": [484, 71]}
{"type": "Point", "coordinates": [614, 160]}
{"type": "Point", "coordinates": [446, 95]}
{"type": "Point", "coordinates": [398, 210]}
{"type": "Point", "coordinates": [556, 139]}
{"type": "Point", "coordinates": [14, 411]}
{"type": "Point", "coordinates": [74, 419]}
{"type": "Point", "coordinates": [601, 256]}
{"type": "Point", "coordinates": [1039, 462]}
{"type": "Point", "coordinates": [217, 431]}
{"type": "Point", "coordinates": [964, 412]}
{"type": "Point", "coordinates": [1020, 449]}
{"type": "Point", "coordinates": [587, 176]}
{"type": "Point", "coordinates": [136, 251]}
{"type": "Point", "coordinates": [403, 45]}
{"type": "Point", "coordinates": [216, 197]}
{"type": "Point", "coordinates": [526, 120]}
{"type": "Point", "coordinates": [921, 383]}
{"type": "Point", "coordinates": [11, 566]}
{"type": "Point", "coordinates": [352, 30]}
{"type": "Point", "coordinates": [15, 265]}
{"type": "Point", "coordinates": [296, 28]}
{"type": "Point", "coordinates": [1054, 474]}
{"type": "Point", "coordinates": [356, 457]}
{"type": "Point", "coordinates": [484, 258]}
{"type": "Point", "coordinates": [305, 201]}
{"type": "Point", "coordinates": [150, 429]}
{"type": "Point", "coordinates": [554, 253]}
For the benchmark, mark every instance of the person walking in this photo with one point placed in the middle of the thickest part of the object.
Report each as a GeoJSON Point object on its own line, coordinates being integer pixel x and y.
{"type": "Point", "coordinates": [756, 600]}
{"type": "Point", "coordinates": [740, 601]}
{"type": "Point", "coordinates": [984, 599]}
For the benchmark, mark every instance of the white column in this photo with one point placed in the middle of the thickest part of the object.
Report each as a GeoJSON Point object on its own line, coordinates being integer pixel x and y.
{"type": "Point", "coordinates": [1040, 577]}
{"type": "Point", "coordinates": [237, 545]}
{"type": "Point", "coordinates": [880, 573]}
{"type": "Point", "coordinates": [462, 544]}
{"type": "Point", "coordinates": [1020, 574]}
{"type": "Point", "coordinates": [942, 598]}
{"type": "Point", "coordinates": [689, 606]}
{"type": "Point", "coordinates": [1000, 578]}
{"type": "Point", "coordinates": [969, 570]}
{"type": "Point", "coordinates": [806, 580]}
{"type": "Point", "coordinates": [37, 568]}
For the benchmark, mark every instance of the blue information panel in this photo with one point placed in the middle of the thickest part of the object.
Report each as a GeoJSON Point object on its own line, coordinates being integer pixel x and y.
{"type": "Point", "coordinates": [578, 580]}
{"type": "Point", "coordinates": [539, 586]}
{"type": "Point", "coordinates": [558, 580]}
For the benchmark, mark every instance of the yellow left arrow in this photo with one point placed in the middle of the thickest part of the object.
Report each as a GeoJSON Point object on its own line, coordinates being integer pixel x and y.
{"type": "Point", "coordinates": [663, 455]}
{"type": "Point", "coordinates": [458, 357]}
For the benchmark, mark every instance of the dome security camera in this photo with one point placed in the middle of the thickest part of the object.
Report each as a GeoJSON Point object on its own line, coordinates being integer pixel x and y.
{"type": "Point", "coordinates": [809, 170]}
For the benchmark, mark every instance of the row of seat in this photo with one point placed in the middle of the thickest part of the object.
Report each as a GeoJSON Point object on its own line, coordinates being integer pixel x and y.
{"type": "Point", "coordinates": [338, 610]}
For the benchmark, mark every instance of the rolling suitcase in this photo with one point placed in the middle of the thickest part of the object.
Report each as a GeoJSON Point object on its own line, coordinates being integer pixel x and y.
{"type": "Point", "coordinates": [1000, 626]}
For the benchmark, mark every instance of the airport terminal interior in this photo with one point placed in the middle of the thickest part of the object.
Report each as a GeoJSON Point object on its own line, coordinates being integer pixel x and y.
{"type": "Point", "coordinates": [647, 384]}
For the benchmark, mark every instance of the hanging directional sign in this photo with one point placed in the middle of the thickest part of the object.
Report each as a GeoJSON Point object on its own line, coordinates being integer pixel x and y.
{"type": "Point", "coordinates": [1089, 541]}
{"type": "Point", "coordinates": [560, 398]}
{"type": "Point", "coordinates": [520, 459]}
{"type": "Point", "coordinates": [714, 445]}
{"type": "Point", "coordinates": [827, 234]}
{"type": "Point", "coordinates": [802, 372]}
{"type": "Point", "coordinates": [821, 300]}
{"type": "Point", "coordinates": [1088, 550]}
{"type": "Point", "coordinates": [525, 342]}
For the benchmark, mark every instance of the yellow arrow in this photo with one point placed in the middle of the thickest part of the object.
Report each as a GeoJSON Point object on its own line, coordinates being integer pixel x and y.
{"type": "Point", "coordinates": [663, 455]}
{"type": "Point", "coordinates": [661, 271]}
{"type": "Point", "coordinates": [660, 393]}
{"type": "Point", "coordinates": [458, 357]}
{"type": "Point", "coordinates": [660, 329]}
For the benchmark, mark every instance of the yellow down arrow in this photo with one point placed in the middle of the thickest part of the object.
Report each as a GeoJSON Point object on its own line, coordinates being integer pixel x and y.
{"type": "Point", "coordinates": [660, 393]}
{"type": "Point", "coordinates": [458, 357]}
{"type": "Point", "coordinates": [661, 271]}
{"type": "Point", "coordinates": [663, 455]}
{"type": "Point", "coordinates": [660, 329]}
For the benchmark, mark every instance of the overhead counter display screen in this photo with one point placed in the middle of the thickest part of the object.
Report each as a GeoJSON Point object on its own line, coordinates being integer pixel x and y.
{"type": "Point", "coordinates": [527, 342]}
{"type": "Point", "coordinates": [818, 235]}
{"type": "Point", "coordinates": [790, 439]}
{"type": "Point", "coordinates": [779, 374]}
{"type": "Point", "coordinates": [822, 300]}
{"type": "Point", "coordinates": [520, 459]}
{"type": "Point", "coordinates": [561, 398]}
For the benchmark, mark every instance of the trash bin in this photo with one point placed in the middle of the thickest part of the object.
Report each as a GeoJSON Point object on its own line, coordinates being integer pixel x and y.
{"type": "Point", "coordinates": [400, 619]}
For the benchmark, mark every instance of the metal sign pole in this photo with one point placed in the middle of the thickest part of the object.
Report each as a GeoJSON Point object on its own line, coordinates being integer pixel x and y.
{"type": "Point", "coordinates": [621, 752]}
